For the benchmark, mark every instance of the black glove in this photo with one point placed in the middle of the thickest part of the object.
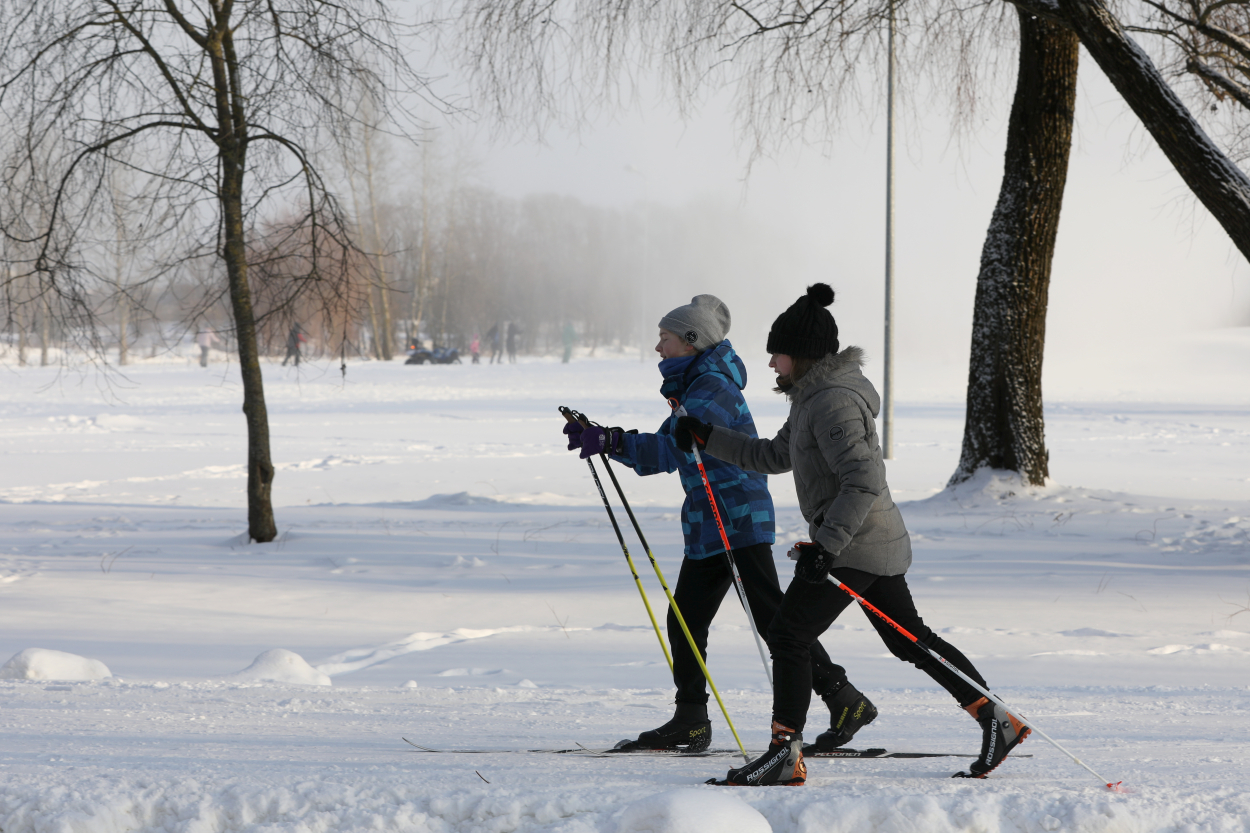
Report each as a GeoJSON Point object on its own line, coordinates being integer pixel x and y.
{"type": "Point", "coordinates": [814, 562]}
{"type": "Point", "coordinates": [689, 429]}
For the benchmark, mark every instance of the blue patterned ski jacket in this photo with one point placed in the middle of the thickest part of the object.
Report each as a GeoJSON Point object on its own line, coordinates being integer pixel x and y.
{"type": "Point", "coordinates": [710, 386]}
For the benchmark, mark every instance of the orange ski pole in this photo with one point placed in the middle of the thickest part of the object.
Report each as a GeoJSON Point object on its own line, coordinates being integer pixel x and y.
{"type": "Point", "coordinates": [680, 411]}
{"type": "Point", "coordinates": [867, 605]}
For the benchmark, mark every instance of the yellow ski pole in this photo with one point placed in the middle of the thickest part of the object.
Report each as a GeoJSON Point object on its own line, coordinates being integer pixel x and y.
{"type": "Point", "coordinates": [569, 415]}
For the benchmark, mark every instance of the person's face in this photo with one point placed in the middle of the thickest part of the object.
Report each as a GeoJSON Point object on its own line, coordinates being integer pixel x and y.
{"type": "Point", "coordinates": [670, 346]}
{"type": "Point", "coordinates": [782, 363]}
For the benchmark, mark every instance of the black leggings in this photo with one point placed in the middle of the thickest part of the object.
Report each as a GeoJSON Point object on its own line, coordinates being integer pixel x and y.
{"type": "Point", "coordinates": [701, 586]}
{"type": "Point", "coordinates": [809, 609]}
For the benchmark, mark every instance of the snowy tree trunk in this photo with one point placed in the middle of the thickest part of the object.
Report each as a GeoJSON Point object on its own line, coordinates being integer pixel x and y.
{"type": "Point", "coordinates": [1004, 426]}
{"type": "Point", "coordinates": [1219, 184]}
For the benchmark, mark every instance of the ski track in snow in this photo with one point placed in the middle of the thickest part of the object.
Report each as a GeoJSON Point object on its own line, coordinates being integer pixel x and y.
{"type": "Point", "coordinates": [446, 563]}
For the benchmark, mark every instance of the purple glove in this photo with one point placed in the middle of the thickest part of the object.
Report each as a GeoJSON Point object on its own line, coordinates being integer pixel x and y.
{"type": "Point", "coordinates": [594, 441]}
{"type": "Point", "coordinates": [573, 430]}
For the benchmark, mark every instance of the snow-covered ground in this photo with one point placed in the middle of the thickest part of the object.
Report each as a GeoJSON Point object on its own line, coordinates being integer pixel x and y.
{"type": "Point", "coordinates": [446, 566]}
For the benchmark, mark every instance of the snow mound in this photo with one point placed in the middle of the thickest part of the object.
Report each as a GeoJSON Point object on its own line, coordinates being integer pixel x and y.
{"type": "Point", "coordinates": [691, 811]}
{"type": "Point", "coordinates": [282, 666]}
{"type": "Point", "coordinates": [458, 499]}
{"type": "Point", "coordinates": [44, 664]}
{"type": "Point", "coordinates": [1210, 648]}
{"type": "Point", "coordinates": [994, 485]}
{"type": "Point", "coordinates": [358, 658]}
{"type": "Point", "coordinates": [1090, 632]}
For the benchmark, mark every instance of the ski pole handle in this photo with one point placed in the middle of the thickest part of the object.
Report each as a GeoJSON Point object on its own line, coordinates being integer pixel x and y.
{"type": "Point", "coordinates": [574, 416]}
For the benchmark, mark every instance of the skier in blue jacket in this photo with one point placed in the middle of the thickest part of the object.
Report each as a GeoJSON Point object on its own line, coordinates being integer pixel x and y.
{"type": "Point", "coordinates": [703, 373]}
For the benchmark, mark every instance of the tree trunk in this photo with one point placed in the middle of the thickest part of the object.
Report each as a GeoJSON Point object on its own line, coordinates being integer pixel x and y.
{"type": "Point", "coordinates": [123, 332]}
{"type": "Point", "coordinates": [1219, 184]}
{"type": "Point", "coordinates": [418, 289]}
{"type": "Point", "coordinates": [1004, 426]}
{"type": "Point", "coordinates": [373, 310]}
{"type": "Point", "coordinates": [232, 155]}
{"type": "Point", "coordinates": [123, 305]}
{"type": "Point", "coordinates": [386, 342]}
{"type": "Point", "coordinates": [119, 272]}
{"type": "Point", "coordinates": [21, 338]}
{"type": "Point", "coordinates": [45, 328]}
{"type": "Point", "coordinates": [260, 521]}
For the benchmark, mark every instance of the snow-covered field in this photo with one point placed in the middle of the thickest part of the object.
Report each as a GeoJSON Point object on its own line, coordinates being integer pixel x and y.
{"type": "Point", "coordinates": [446, 566]}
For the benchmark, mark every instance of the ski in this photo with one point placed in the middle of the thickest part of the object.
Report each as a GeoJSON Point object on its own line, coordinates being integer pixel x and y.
{"type": "Point", "coordinates": [588, 752]}
{"type": "Point", "coordinates": [813, 752]}
{"type": "Point", "coordinates": [579, 751]}
{"type": "Point", "coordinates": [419, 747]}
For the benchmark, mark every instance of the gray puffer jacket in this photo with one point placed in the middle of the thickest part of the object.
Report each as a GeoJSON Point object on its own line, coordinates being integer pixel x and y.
{"type": "Point", "coordinates": [830, 441]}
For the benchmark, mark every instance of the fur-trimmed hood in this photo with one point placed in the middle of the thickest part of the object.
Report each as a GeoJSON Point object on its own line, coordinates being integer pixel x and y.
{"type": "Point", "coordinates": [837, 370]}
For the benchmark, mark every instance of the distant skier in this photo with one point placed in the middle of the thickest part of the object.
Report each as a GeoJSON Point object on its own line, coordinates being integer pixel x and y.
{"type": "Point", "coordinates": [492, 335]}
{"type": "Point", "coordinates": [206, 338]}
{"type": "Point", "coordinates": [830, 443]}
{"type": "Point", "coordinates": [569, 336]}
{"type": "Point", "coordinates": [701, 369]}
{"type": "Point", "coordinates": [513, 332]}
{"type": "Point", "coordinates": [475, 348]}
{"type": "Point", "coordinates": [294, 339]}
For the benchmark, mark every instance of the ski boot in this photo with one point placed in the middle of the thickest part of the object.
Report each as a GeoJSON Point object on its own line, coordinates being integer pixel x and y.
{"type": "Point", "coordinates": [849, 711]}
{"type": "Point", "coordinates": [688, 731]}
{"type": "Point", "coordinates": [1000, 733]}
{"type": "Point", "coordinates": [780, 765]}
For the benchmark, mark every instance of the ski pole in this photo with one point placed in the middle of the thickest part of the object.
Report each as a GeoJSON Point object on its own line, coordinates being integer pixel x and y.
{"type": "Point", "coordinates": [680, 411]}
{"type": "Point", "coordinates": [568, 415]}
{"type": "Point", "coordinates": [869, 606]}
{"type": "Point", "coordinates": [681, 620]}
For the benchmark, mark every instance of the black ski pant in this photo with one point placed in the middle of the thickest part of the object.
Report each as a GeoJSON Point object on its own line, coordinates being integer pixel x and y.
{"type": "Point", "coordinates": [701, 587]}
{"type": "Point", "coordinates": [809, 609]}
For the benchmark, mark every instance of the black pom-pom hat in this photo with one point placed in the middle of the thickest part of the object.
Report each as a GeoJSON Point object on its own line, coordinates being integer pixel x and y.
{"type": "Point", "coordinates": [806, 330]}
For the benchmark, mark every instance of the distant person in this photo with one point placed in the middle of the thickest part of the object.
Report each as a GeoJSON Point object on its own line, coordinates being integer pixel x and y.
{"type": "Point", "coordinates": [205, 338]}
{"type": "Point", "coordinates": [475, 348]}
{"type": "Point", "coordinates": [293, 340]}
{"type": "Point", "coordinates": [570, 335]}
{"type": "Point", "coordinates": [492, 335]}
{"type": "Point", "coordinates": [513, 332]}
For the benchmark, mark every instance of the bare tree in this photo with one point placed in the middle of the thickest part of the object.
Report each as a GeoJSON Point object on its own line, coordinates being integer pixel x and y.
{"type": "Point", "coordinates": [224, 103]}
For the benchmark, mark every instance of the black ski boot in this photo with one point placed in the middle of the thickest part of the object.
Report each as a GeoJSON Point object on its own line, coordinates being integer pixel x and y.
{"type": "Point", "coordinates": [849, 711]}
{"type": "Point", "coordinates": [1000, 733]}
{"type": "Point", "coordinates": [780, 765]}
{"type": "Point", "coordinates": [688, 731]}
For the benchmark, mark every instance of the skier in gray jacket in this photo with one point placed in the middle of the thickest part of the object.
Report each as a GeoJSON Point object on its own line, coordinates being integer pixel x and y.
{"type": "Point", "coordinates": [830, 443]}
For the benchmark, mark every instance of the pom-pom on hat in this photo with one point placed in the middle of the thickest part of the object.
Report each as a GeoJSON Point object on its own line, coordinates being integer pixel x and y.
{"type": "Point", "coordinates": [703, 323]}
{"type": "Point", "coordinates": [806, 330]}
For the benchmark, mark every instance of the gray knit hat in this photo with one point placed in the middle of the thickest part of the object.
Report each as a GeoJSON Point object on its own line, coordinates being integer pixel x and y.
{"type": "Point", "coordinates": [703, 323]}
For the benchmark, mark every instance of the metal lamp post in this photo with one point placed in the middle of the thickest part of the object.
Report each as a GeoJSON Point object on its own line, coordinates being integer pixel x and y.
{"type": "Point", "coordinates": [887, 407]}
